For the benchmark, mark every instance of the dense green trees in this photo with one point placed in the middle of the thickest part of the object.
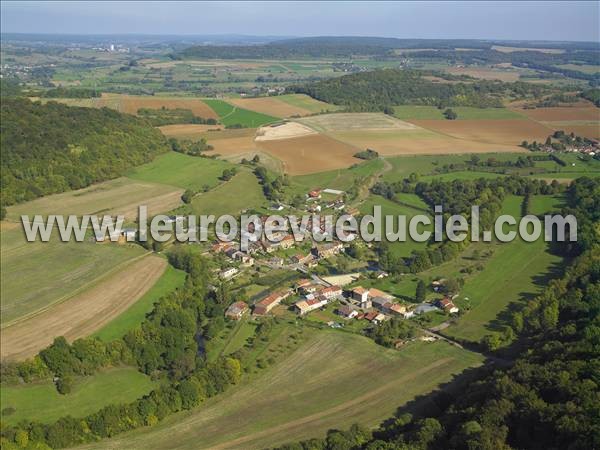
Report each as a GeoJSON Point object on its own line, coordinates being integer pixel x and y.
{"type": "Point", "coordinates": [69, 92]}
{"type": "Point", "coordinates": [54, 148]}
{"type": "Point", "coordinates": [380, 89]}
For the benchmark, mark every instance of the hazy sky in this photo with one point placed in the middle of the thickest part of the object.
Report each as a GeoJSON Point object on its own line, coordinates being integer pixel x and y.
{"type": "Point", "coordinates": [495, 20]}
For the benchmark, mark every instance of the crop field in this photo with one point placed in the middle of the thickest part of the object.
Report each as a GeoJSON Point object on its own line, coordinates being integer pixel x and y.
{"type": "Point", "coordinates": [307, 103]}
{"type": "Point", "coordinates": [241, 192]}
{"type": "Point", "coordinates": [420, 142]}
{"type": "Point", "coordinates": [588, 129]}
{"type": "Point", "coordinates": [505, 132]}
{"type": "Point", "coordinates": [118, 196]}
{"type": "Point", "coordinates": [327, 123]}
{"type": "Point", "coordinates": [182, 171]}
{"type": "Point", "coordinates": [131, 103]}
{"type": "Point", "coordinates": [133, 316]}
{"type": "Point", "coordinates": [233, 115]}
{"type": "Point", "coordinates": [85, 312]}
{"type": "Point", "coordinates": [41, 402]}
{"type": "Point", "coordinates": [283, 131]}
{"type": "Point", "coordinates": [412, 112]}
{"type": "Point", "coordinates": [486, 73]}
{"type": "Point", "coordinates": [309, 154]}
{"type": "Point", "coordinates": [187, 130]}
{"type": "Point", "coordinates": [36, 275]}
{"type": "Point", "coordinates": [332, 381]}
{"type": "Point", "coordinates": [563, 113]}
{"type": "Point", "coordinates": [271, 106]}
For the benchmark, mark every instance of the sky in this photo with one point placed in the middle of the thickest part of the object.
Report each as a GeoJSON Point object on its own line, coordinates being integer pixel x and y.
{"type": "Point", "coordinates": [537, 20]}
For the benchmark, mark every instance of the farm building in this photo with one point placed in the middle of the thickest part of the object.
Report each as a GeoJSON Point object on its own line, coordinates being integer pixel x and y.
{"type": "Point", "coordinates": [228, 273]}
{"type": "Point", "coordinates": [347, 312]}
{"type": "Point", "coordinates": [236, 310]}
{"type": "Point", "coordinates": [305, 306]}
{"type": "Point", "coordinates": [330, 292]}
{"type": "Point", "coordinates": [425, 308]}
{"type": "Point", "coordinates": [265, 305]}
{"type": "Point", "coordinates": [330, 249]}
{"type": "Point", "coordinates": [361, 295]}
{"type": "Point", "coordinates": [447, 305]}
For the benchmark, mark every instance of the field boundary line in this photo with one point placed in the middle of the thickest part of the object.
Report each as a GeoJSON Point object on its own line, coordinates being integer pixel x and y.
{"type": "Point", "coordinates": [79, 290]}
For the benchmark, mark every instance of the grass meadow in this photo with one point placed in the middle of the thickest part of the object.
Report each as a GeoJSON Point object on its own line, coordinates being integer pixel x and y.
{"type": "Point", "coordinates": [41, 401]}
{"type": "Point", "coordinates": [232, 115]}
{"type": "Point", "coordinates": [334, 379]}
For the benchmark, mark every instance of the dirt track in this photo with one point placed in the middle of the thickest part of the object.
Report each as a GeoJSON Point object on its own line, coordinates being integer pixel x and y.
{"type": "Point", "coordinates": [85, 313]}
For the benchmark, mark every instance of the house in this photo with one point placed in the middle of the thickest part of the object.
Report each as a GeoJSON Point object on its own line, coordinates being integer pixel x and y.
{"type": "Point", "coordinates": [330, 292]}
{"type": "Point", "coordinates": [288, 241]}
{"type": "Point", "coordinates": [276, 261]}
{"type": "Point", "coordinates": [374, 292]}
{"type": "Point", "coordinates": [221, 247]}
{"type": "Point", "coordinates": [262, 307]}
{"type": "Point", "coordinates": [236, 310]}
{"type": "Point", "coordinates": [347, 312]}
{"type": "Point", "coordinates": [302, 283]}
{"type": "Point", "coordinates": [400, 310]}
{"type": "Point", "coordinates": [315, 193]}
{"type": "Point", "coordinates": [305, 306]}
{"type": "Point", "coordinates": [361, 295]}
{"type": "Point", "coordinates": [447, 305]}
{"type": "Point", "coordinates": [381, 274]}
{"type": "Point", "coordinates": [328, 250]}
{"type": "Point", "coordinates": [380, 302]}
{"type": "Point", "coordinates": [269, 247]}
{"type": "Point", "coordinates": [370, 316]}
{"type": "Point", "coordinates": [228, 273]}
{"type": "Point", "coordinates": [378, 318]}
{"type": "Point", "coordinates": [246, 260]}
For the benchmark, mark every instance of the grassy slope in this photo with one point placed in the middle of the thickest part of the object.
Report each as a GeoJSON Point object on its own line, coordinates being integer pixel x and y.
{"type": "Point", "coordinates": [239, 193]}
{"type": "Point", "coordinates": [231, 115]}
{"type": "Point", "coordinates": [35, 275]}
{"type": "Point", "coordinates": [41, 401]}
{"type": "Point", "coordinates": [168, 282]}
{"type": "Point", "coordinates": [333, 380]}
{"type": "Point", "coordinates": [176, 169]}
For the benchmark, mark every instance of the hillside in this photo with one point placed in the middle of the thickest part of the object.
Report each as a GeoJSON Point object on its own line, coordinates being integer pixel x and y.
{"type": "Point", "coordinates": [379, 89]}
{"type": "Point", "coordinates": [54, 148]}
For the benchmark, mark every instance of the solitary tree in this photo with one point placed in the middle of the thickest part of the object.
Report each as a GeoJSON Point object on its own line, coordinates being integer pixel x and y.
{"type": "Point", "coordinates": [421, 291]}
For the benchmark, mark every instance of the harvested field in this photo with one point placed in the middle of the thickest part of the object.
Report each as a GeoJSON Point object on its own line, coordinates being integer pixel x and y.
{"type": "Point", "coordinates": [269, 105]}
{"type": "Point", "coordinates": [308, 103]}
{"type": "Point", "coordinates": [119, 196]}
{"type": "Point", "coordinates": [485, 73]}
{"type": "Point", "coordinates": [563, 113]}
{"type": "Point", "coordinates": [131, 103]}
{"type": "Point", "coordinates": [508, 132]}
{"type": "Point", "coordinates": [85, 313]}
{"type": "Point", "coordinates": [503, 49]}
{"type": "Point", "coordinates": [310, 154]}
{"type": "Point", "coordinates": [424, 142]}
{"type": "Point", "coordinates": [187, 131]}
{"type": "Point", "coordinates": [234, 146]}
{"type": "Point", "coordinates": [285, 131]}
{"type": "Point", "coordinates": [355, 121]}
{"type": "Point", "coordinates": [591, 130]}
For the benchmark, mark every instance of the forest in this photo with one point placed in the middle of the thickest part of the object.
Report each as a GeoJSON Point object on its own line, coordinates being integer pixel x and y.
{"type": "Point", "coordinates": [380, 90]}
{"type": "Point", "coordinates": [51, 148]}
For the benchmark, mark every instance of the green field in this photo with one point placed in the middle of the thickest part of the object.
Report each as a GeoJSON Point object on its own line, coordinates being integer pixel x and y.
{"type": "Point", "coordinates": [41, 401]}
{"type": "Point", "coordinates": [333, 380]}
{"type": "Point", "coordinates": [407, 112]}
{"type": "Point", "coordinates": [232, 115]}
{"type": "Point", "coordinates": [170, 280]}
{"type": "Point", "coordinates": [541, 204]}
{"type": "Point", "coordinates": [308, 103]}
{"type": "Point", "coordinates": [183, 171]}
{"type": "Point", "coordinates": [240, 193]}
{"type": "Point", "coordinates": [35, 274]}
{"type": "Point", "coordinates": [461, 175]}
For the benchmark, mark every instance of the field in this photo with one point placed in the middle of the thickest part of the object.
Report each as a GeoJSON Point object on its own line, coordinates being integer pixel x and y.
{"type": "Point", "coordinates": [503, 132]}
{"type": "Point", "coordinates": [271, 106]}
{"type": "Point", "coordinates": [590, 131]}
{"type": "Point", "coordinates": [41, 401]}
{"type": "Point", "coordinates": [484, 73]}
{"type": "Point", "coordinates": [170, 280]}
{"type": "Point", "coordinates": [36, 275]}
{"type": "Point", "coordinates": [187, 130]}
{"type": "Point", "coordinates": [516, 271]}
{"type": "Point", "coordinates": [312, 153]}
{"type": "Point", "coordinates": [327, 123]}
{"type": "Point", "coordinates": [283, 131]}
{"type": "Point", "coordinates": [85, 312]}
{"type": "Point", "coordinates": [332, 381]}
{"type": "Point", "coordinates": [239, 193]}
{"type": "Point", "coordinates": [563, 113]}
{"type": "Point", "coordinates": [118, 196]}
{"type": "Point", "coordinates": [408, 112]}
{"type": "Point", "coordinates": [131, 103]}
{"type": "Point", "coordinates": [233, 115]}
{"type": "Point", "coordinates": [307, 103]}
{"type": "Point", "coordinates": [182, 171]}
